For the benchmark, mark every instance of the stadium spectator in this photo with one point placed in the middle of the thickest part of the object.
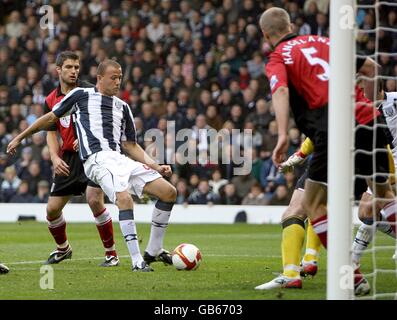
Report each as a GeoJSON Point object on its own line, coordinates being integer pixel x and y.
{"type": "Point", "coordinates": [243, 184]}
{"type": "Point", "coordinates": [183, 192]}
{"type": "Point", "coordinates": [255, 197]}
{"type": "Point", "coordinates": [23, 195]}
{"type": "Point", "coordinates": [203, 194]}
{"type": "Point", "coordinates": [229, 195]}
{"type": "Point", "coordinates": [34, 176]}
{"type": "Point", "coordinates": [213, 119]}
{"type": "Point", "coordinates": [3, 164]}
{"type": "Point", "coordinates": [22, 164]}
{"type": "Point", "coordinates": [216, 183]}
{"type": "Point", "coordinates": [10, 184]}
{"type": "Point", "coordinates": [5, 137]}
{"type": "Point", "coordinates": [43, 192]}
{"type": "Point", "coordinates": [280, 196]}
{"type": "Point", "coordinates": [180, 48]}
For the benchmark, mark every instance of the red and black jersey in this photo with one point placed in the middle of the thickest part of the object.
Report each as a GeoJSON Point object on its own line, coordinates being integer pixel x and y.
{"type": "Point", "coordinates": [365, 109]}
{"type": "Point", "coordinates": [65, 124]}
{"type": "Point", "coordinates": [301, 63]}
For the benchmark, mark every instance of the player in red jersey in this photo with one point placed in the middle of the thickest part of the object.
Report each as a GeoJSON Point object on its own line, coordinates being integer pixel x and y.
{"type": "Point", "coordinates": [70, 179]}
{"type": "Point", "coordinates": [298, 71]}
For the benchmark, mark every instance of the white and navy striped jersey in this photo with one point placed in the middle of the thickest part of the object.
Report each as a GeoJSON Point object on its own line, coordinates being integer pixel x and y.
{"type": "Point", "coordinates": [101, 122]}
{"type": "Point", "coordinates": [389, 111]}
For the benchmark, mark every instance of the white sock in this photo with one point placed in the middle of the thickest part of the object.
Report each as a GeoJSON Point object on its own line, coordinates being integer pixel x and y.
{"type": "Point", "coordinates": [160, 217]}
{"type": "Point", "coordinates": [385, 226]}
{"type": "Point", "coordinates": [128, 229]}
{"type": "Point", "coordinates": [363, 238]}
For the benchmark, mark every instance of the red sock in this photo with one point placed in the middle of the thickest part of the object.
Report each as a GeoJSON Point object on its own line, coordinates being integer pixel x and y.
{"type": "Point", "coordinates": [105, 228]}
{"type": "Point", "coordinates": [389, 212]}
{"type": "Point", "coordinates": [320, 227]}
{"type": "Point", "coordinates": [357, 275]}
{"type": "Point", "coordinates": [57, 228]}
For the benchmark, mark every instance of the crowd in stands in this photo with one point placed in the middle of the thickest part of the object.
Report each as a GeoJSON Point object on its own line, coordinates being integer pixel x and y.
{"type": "Point", "coordinates": [198, 63]}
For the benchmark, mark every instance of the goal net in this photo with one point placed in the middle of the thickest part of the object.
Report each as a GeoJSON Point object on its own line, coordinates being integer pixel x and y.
{"type": "Point", "coordinates": [376, 36]}
{"type": "Point", "coordinates": [373, 252]}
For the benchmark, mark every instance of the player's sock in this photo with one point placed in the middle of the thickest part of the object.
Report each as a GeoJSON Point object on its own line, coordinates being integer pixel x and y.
{"type": "Point", "coordinates": [128, 229]}
{"type": "Point", "coordinates": [363, 238]}
{"type": "Point", "coordinates": [313, 244]}
{"type": "Point", "coordinates": [291, 245]}
{"type": "Point", "coordinates": [389, 214]}
{"type": "Point", "coordinates": [384, 226]}
{"type": "Point", "coordinates": [160, 217]}
{"type": "Point", "coordinates": [320, 227]}
{"type": "Point", "coordinates": [57, 227]}
{"type": "Point", "coordinates": [104, 225]}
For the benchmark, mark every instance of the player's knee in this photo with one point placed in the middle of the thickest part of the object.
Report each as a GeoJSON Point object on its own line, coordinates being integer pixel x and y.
{"type": "Point", "coordinates": [95, 202]}
{"type": "Point", "coordinates": [169, 194]}
{"type": "Point", "coordinates": [307, 205]}
{"type": "Point", "coordinates": [53, 210]}
{"type": "Point", "coordinates": [124, 200]}
{"type": "Point", "coordinates": [294, 210]}
{"type": "Point", "coordinates": [365, 210]}
{"type": "Point", "coordinates": [172, 194]}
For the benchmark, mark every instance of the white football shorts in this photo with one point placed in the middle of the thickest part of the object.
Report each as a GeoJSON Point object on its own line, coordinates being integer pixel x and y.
{"type": "Point", "coordinates": [115, 172]}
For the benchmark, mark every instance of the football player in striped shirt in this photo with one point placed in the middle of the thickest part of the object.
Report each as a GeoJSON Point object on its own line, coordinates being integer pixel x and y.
{"type": "Point", "coordinates": [69, 177]}
{"type": "Point", "coordinates": [106, 132]}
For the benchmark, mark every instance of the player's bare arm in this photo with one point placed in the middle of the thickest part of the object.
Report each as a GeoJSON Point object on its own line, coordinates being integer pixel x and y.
{"type": "Point", "coordinates": [42, 123]}
{"type": "Point", "coordinates": [135, 152]}
{"type": "Point", "coordinates": [280, 100]}
{"type": "Point", "coordinates": [60, 166]}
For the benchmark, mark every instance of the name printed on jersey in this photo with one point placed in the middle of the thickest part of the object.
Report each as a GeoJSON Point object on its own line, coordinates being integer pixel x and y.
{"type": "Point", "coordinates": [287, 48]}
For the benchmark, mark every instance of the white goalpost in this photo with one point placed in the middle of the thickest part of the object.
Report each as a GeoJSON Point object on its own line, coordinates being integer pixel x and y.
{"type": "Point", "coordinates": [340, 272]}
{"type": "Point", "coordinates": [340, 144]}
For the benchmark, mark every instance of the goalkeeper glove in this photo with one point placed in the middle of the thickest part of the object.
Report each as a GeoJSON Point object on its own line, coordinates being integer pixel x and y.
{"type": "Point", "coordinates": [296, 159]}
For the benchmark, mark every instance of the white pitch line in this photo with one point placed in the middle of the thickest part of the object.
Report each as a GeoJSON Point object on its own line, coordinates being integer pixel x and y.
{"type": "Point", "coordinates": [127, 256]}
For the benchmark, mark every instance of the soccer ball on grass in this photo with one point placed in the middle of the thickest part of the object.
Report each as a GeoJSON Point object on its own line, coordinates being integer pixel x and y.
{"type": "Point", "coordinates": [186, 257]}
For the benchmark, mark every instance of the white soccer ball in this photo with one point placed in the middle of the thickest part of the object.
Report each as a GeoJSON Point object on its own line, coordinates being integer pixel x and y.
{"type": "Point", "coordinates": [186, 257]}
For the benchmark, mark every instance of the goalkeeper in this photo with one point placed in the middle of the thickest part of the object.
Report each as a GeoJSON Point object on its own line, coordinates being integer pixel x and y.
{"type": "Point", "coordinates": [293, 235]}
{"type": "Point", "coordinates": [293, 227]}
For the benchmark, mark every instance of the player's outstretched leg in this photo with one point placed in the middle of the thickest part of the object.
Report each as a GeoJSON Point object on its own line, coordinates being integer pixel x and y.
{"type": "Point", "coordinates": [291, 245]}
{"type": "Point", "coordinates": [166, 193]}
{"type": "Point", "coordinates": [3, 269]}
{"type": "Point", "coordinates": [104, 224]}
{"type": "Point", "coordinates": [57, 228]}
{"type": "Point", "coordinates": [128, 229]}
{"type": "Point", "coordinates": [364, 236]}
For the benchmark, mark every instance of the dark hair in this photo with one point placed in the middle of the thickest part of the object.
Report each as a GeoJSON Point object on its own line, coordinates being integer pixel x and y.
{"type": "Point", "coordinates": [63, 56]}
{"type": "Point", "coordinates": [104, 64]}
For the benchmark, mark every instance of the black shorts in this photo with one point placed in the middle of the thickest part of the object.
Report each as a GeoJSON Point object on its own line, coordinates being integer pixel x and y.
{"type": "Point", "coordinates": [314, 124]}
{"type": "Point", "coordinates": [74, 184]}
{"type": "Point", "coordinates": [300, 184]}
{"type": "Point", "coordinates": [317, 130]}
{"type": "Point", "coordinates": [371, 154]}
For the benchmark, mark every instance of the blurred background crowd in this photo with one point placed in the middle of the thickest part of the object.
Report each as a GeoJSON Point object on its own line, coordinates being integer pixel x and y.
{"type": "Point", "coordinates": [198, 63]}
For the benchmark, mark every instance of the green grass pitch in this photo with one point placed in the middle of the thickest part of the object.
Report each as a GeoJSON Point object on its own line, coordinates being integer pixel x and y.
{"type": "Point", "coordinates": [236, 258]}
